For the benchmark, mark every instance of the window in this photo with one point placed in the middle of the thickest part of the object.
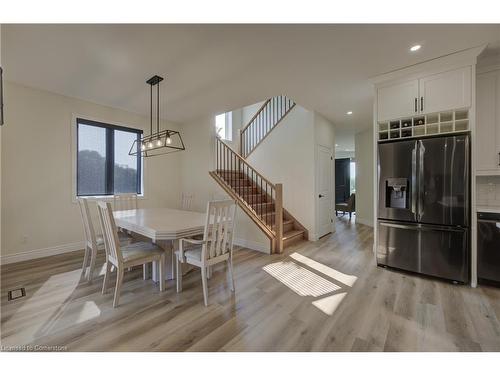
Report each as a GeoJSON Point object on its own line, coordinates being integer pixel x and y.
{"type": "Point", "coordinates": [224, 126]}
{"type": "Point", "coordinates": [103, 164]}
{"type": "Point", "coordinates": [352, 166]}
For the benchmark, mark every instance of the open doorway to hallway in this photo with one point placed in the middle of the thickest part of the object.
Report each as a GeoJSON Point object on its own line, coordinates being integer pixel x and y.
{"type": "Point", "coordinates": [345, 175]}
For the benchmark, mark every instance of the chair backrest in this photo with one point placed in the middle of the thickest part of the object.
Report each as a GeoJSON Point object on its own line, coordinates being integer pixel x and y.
{"type": "Point", "coordinates": [88, 227]}
{"type": "Point", "coordinates": [110, 233]}
{"type": "Point", "coordinates": [122, 202]}
{"type": "Point", "coordinates": [186, 201]}
{"type": "Point", "coordinates": [219, 228]}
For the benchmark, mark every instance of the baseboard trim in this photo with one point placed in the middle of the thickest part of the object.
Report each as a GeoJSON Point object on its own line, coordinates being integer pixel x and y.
{"type": "Point", "coordinates": [41, 253]}
{"type": "Point", "coordinates": [253, 245]}
{"type": "Point", "coordinates": [66, 248]}
{"type": "Point", "coordinates": [364, 221]}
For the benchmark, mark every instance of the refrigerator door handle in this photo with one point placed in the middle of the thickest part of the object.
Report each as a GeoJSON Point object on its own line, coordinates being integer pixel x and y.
{"type": "Point", "coordinates": [421, 190]}
{"type": "Point", "coordinates": [414, 180]}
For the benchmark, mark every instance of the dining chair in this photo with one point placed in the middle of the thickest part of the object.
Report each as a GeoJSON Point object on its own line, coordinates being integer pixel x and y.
{"type": "Point", "coordinates": [215, 247]}
{"type": "Point", "coordinates": [93, 241]}
{"type": "Point", "coordinates": [186, 201]}
{"type": "Point", "coordinates": [122, 257]}
{"type": "Point", "coordinates": [123, 202]}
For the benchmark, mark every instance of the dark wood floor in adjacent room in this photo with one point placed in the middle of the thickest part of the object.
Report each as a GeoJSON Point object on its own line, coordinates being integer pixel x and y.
{"type": "Point", "coordinates": [318, 296]}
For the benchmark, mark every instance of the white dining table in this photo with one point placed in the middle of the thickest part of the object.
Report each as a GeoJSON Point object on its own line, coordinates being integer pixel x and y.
{"type": "Point", "coordinates": [164, 226]}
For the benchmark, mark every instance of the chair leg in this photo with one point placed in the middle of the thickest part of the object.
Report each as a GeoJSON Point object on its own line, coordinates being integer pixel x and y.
{"type": "Point", "coordinates": [179, 275]}
{"type": "Point", "coordinates": [85, 260]}
{"type": "Point", "coordinates": [162, 272]}
{"type": "Point", "coordinates": [107, 272]}
{"type": "Point", "coordinates": [119, 281]}
{"type": "Point", "coordinates": [93, 256]}
{"type": "Point", "coordinates": [350, 214]}
{"type": "Point", "coordinates": [231, 276]}
{"type": "Point", "coordinates": [204, 284]}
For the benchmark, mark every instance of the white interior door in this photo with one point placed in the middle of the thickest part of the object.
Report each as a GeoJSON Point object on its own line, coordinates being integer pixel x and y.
{"type": "Point", "coordinates": [324, 196]}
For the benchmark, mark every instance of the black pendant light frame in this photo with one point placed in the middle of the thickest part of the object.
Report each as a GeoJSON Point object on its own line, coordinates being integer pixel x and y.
{"type": "Point", "coordinates": [160, 142]}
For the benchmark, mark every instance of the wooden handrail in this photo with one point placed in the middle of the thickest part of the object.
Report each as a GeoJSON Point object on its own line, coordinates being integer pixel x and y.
{"type": "Point", "coordinates": [263, 122]}
{"type": "Point", "coordinates": [256, 114]}
{"type": "Point", "coordinates": [239, 157]}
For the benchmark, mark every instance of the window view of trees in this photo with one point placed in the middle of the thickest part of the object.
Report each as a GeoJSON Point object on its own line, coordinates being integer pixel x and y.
{"type": "Point", "coordinates": [97, 143]}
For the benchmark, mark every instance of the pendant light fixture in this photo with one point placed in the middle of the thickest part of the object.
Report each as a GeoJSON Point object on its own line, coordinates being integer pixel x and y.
{"type": "Point", "coordinates": [162, 141]}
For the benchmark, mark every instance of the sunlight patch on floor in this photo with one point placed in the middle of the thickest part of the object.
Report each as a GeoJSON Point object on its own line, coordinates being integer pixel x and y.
{"type": "Point", "coordinates": [300, 280]}
{"type": "Point", "coordinates": [345, 279]}
{"type": "Point", "coordinates": [329, 304]}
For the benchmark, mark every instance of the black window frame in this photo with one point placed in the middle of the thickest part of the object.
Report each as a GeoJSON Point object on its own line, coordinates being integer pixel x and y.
{"type": "Point", "coordinates": [110, 155]}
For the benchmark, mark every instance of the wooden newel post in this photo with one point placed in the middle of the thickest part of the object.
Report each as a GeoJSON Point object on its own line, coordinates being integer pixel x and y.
{"type": "Point", "coordinates": [278, 206]}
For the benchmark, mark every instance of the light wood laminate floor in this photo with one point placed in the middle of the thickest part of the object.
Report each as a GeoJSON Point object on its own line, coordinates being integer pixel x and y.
{"type": "Point", "coordinates": [318, 296]}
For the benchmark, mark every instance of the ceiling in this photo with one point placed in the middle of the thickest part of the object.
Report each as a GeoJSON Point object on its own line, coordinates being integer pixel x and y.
{"type": "Point", "coordinates": [214, 68]}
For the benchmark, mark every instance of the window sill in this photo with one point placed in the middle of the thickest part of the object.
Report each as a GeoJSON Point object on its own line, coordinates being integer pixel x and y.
{"type": "Point", "coordinates": [105, 198]}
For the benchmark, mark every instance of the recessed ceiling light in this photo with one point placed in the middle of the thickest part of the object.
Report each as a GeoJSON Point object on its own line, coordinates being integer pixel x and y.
{"type": "Point", "coordinates": [415, 48]}
{"type": "Point", "coordinates": [349, 112]}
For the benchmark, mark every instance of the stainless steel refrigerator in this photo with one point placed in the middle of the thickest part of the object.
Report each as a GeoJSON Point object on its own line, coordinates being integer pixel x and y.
{"type": "Point", "coordinates": [424, 206]}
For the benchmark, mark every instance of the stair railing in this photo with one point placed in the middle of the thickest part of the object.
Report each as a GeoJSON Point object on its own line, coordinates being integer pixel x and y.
{"type": "Point", "coordinates": [246, 184]}
{"type": "Point", "coordinates": [267, 117]}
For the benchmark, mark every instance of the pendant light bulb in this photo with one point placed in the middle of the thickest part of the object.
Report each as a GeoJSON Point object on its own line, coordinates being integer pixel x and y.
{"type": "Point", "coordinates": [158, 142]}
{"type": "Point", "coordinates": [169, 140]}
{"type": "Point", "coordinates": [143, 146]}
{"type": "Point", "coordinates": [150, 144]}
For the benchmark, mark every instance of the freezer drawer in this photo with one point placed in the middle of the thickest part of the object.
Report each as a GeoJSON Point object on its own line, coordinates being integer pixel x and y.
{"type": "Point", "coordinates": [430, 250]}
{"type": "Point", "coordinates": [488, 247]}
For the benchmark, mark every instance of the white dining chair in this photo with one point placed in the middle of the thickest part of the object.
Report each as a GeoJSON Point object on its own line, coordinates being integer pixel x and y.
{"type": "Point", "coordinates": [215, 247]}
{"type": "Point", "coordinates": [93, 241]}
{"type": "Point", "coordinates": [122, 257]}
{"type": "Point", "coordinates": [122, 202]}
{"type": "Point", "coordinates": [186, 201]}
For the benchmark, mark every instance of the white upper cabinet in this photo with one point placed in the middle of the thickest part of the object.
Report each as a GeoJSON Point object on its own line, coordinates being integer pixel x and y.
{"type": "Point", "coordinates": [434, 93]}
{"type": "Point", "coordinates": [488, 122]}
{"type": "Point", "coordinates": [445, 91]}
{"type": "Point", "coordinates": [397, 100]}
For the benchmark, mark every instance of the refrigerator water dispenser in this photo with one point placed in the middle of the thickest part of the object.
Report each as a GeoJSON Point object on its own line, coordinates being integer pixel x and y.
{"type": "Point", "coordinates": [396, 191]}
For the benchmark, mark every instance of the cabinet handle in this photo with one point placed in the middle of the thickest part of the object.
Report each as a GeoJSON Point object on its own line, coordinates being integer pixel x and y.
{"type": "Point", "coordinates": [416, 105]}
{"type": "Point", "coordinates": [421, 103]}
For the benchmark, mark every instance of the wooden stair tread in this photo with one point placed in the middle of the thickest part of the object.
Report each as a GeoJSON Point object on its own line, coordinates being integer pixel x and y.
{"type": "Point", "coordinates": [292, 234]}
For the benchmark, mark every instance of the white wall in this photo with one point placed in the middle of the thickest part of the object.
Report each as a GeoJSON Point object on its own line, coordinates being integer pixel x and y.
{"type": "Point", "coordinates": [0, 154]}
{"type": "Point", "coordinates": [364, 177]}
{"type": "Point", "coordinates": [38, 211]}
{"type": "Point", "coordinates": [286, 156]}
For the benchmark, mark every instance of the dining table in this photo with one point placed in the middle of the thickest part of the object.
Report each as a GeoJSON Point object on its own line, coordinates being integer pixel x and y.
{"type": "Point", "coordinates": [164, 227]}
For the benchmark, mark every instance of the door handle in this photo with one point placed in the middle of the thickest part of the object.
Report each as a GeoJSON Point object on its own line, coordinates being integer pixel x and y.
{"type": "Point", "coordinates": [416, 105]}
{"type": "Point", "coordinates": [421, 103]}
{"type": "Point", "coordinates": [421, 187]}
{"type": "Point", "coordinates": [414, 179]}
{"type": "Point", "coordinates": [320, 196]}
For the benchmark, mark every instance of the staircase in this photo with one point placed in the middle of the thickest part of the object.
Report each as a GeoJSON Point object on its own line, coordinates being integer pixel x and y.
{"type": "Point", "coordinates": [265, 120]}
{"type": "Point", "coordinates": [259, 198]}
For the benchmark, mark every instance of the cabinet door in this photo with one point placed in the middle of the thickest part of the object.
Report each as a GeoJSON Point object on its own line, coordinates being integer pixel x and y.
{"type": "Point", "coordinates": [445, 91]}
{"type": "Point", "coordinates": [397, 100]}
{"type": "Point", "coordinates": [488, 121]}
